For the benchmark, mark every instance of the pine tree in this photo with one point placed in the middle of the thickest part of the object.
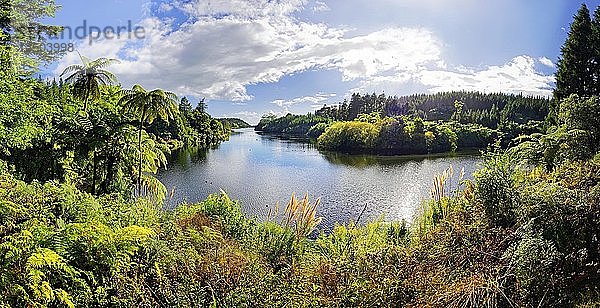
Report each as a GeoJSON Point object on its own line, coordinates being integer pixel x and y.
{"type": "Point", "coordinates": [575, 73]}
{"type": "Point", "coordinates": [22, 24]}
{"type": "Point", "coordinates": [356, 106]}
{"type": "Point", "coordinates": [596, 49]}
{"type": "Point", "coordinates": [202, 106]}
{"type": "Point", "coordinates": [185, 106]}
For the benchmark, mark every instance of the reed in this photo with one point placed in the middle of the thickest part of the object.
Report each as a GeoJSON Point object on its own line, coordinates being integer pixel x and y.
{"type": "Point", "coordinates": [443, 184]}
{"type": "Point", "coordinates": [444, 197]}
{"type": "Point", "coordinates": [301, 215]}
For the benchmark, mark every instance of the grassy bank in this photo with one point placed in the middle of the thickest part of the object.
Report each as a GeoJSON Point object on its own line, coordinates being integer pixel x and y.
{"type": "Point", "coordinates": [513, 237]}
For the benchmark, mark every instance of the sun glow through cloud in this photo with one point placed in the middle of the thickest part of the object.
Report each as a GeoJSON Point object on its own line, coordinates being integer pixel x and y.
{"type": "Point", "coordinates": [219, 49]}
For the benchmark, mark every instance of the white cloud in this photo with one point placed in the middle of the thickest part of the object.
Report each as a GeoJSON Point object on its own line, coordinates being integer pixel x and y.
{"type": "Point", "coordinates": [221, 51]}
{"type": "Point", "coordinates": [517, 76]}
{"type": "Point", "coordinates": [228, 45]}
{"type": "Point", "coordinates": [239, 8]}
{"type": "Point", "coordinates": [390, 84]}
{"type": "Point", "coordinates": [319, 98]}
{"type": "Point", "coordinates": [165, 7]}
{"type": "Point", "coordinates": [547, 62]}
{"type": "Point", "coordinates": [321, 6]}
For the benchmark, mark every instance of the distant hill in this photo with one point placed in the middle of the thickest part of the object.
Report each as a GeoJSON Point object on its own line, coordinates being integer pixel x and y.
{"type": "Point", "coordinates": [235, 123]}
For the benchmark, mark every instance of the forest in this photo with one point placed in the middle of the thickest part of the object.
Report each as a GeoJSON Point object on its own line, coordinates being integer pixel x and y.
{"type": "Point", "coordinates": [49, 134]}
{"type": "Point", "coordinates": [417, 124]}
{"type": "Point", "coordinates": [82, 222]}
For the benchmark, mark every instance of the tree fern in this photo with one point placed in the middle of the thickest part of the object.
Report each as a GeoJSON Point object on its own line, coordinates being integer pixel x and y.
{"type": "Point", "coordinates": [88, 76]}
{"type": "Point", "coordinates": [148, 105]}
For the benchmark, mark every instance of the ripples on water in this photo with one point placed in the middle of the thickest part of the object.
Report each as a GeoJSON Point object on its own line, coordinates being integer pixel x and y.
{"type": "Point", "coordinates": [260, 171]}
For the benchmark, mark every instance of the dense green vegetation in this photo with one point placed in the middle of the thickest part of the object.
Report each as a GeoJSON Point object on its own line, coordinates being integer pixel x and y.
{"type": "Point", "coordinates": [193, 127]}
{"type": "Point", "coordinates": [524, 233]}
{"type": "Point", "coordinates": [417, 124]}
{"type": "Point", "coordinates": [403, 135]}
{"type": "Point", "coordinates": [515, 237]}
{"type": "Point", "coordinates": [486, 109]}
{"type": "Point", "coordinates": [82, 131]}
{"type": "Point", "coordinates": [297, 125]}
{"type": "Point", "coordinates": [235, 123]}
{"type": "Point", "coordinates": [21, 25]}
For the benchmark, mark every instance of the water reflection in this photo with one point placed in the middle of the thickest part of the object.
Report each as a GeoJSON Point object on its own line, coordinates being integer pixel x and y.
{"type": "Point", "coordinates": [188, 156]}
{"type": "Point", "coordinates": [361, 161]}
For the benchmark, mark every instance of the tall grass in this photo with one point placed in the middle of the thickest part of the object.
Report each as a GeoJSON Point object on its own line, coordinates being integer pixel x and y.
{"type": "Point", "coordinates": [302, 215]}
{"type": "Point", "coordinates": [299, 214]}
{"type": "Point", "coordinates": [282, 242]}
{"type": "Point", "coordinates": [444, 198]}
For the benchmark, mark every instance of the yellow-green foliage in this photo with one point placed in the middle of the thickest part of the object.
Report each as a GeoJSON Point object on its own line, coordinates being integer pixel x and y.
{"type": "Point", "coordinates": [448, 194]}
{"type": "Point", "coordinates": [353, 135]}
{"type": "Point", "coordinates": [400, 135]}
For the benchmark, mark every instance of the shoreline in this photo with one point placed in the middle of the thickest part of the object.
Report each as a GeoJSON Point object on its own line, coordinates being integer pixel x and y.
{"type": "Point", "coordinates": [377, 154]}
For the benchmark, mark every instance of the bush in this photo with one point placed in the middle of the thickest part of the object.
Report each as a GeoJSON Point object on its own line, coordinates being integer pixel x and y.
{"type": "Point", "coordinates": [496, 189]}
{"type": "Point", "coordinates": [221, 209]}
{"type": "Point", "coordinates": [351, 136]}
{"type": "Point", "coordinates": [535, 263]}
{"type": "Point", "coordinates": [441, 139]}
{"type": "Point", "coordinates": [297, 125]}
{"type": "Point", "coordinates": [579, 113]}
{"type": "Point", "coordinates": [472, 136]}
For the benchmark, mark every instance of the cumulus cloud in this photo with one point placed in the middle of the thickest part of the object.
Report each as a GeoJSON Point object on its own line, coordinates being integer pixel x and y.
{"type": "Point", "coordinates": [547, 62]}
{"type": "Point", "coordinates": [239, 8]}
{"type": "Point", "coordinates": [389, 84]}
{"type": "Point", "coordinates": [220, 51]}
{"type": "Point", "coordinates": [321, 6]}
{"type": "Point", "coordinates": [225, 46]}
{"type": "Point", "coordinates": [319, 98]}
{"type": "Point", "coordinates": [517, 76]}
{"type": "Point", "coordinates": [165, 7]}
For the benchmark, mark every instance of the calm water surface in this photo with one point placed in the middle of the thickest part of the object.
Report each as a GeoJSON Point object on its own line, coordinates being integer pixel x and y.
{"type": "Point", "coordinates": [260, 171]}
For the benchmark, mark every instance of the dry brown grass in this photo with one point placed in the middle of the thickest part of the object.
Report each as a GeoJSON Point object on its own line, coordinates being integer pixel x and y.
{"type": "Point", "coordinates": [196, 222]}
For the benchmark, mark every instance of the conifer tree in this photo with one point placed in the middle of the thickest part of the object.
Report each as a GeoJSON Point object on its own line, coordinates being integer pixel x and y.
{"type": "Point", "coordinates": [596, 49]}
{"type": "Point", "coordinates": [575, 73]}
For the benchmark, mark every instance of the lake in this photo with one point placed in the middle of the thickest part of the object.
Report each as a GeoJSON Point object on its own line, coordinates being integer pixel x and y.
{"type": "Point", "coordinates": [261, 170]}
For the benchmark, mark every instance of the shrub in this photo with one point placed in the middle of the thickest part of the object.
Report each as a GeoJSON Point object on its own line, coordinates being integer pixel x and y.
{"type": "Point", "coordinates": [534, 261]}
{"type": "Point", "coordinates": [495, 188]}
{"type": "Point", "coordinates": [222, 209]}
{"type": "Point", "coordinates": [349, 136]}
{"type": "Point", "coordinates": [581, 113]}
{"type": "Point", "coordinates": [473, 136]}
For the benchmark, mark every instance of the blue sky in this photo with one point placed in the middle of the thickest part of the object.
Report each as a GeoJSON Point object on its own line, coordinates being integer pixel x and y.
{"type": "Point", "coordinates": [252, 57]}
